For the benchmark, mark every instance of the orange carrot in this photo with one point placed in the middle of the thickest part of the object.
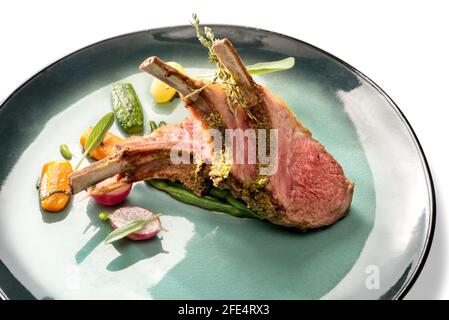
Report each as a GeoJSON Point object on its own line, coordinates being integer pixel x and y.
{"type": "Point", "coordinates": [54, 189]}
{"type": "Point", "coordinates": [106, 148]}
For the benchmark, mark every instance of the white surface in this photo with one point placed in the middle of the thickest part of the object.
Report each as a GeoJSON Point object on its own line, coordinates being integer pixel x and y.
{"type": "Point", "coordinates": [401, 45]}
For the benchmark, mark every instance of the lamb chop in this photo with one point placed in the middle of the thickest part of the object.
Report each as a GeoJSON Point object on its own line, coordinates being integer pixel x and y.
{"type": "Point", "coordinates": [141, 158]}
{"type": "Point", "coordinates": [308, 189]}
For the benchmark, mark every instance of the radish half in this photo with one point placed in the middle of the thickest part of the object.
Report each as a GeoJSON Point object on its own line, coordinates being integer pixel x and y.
{"type": "Point", "coordinates": [118, 194]}
{"type": "Point", "coordinates": [128, 214]}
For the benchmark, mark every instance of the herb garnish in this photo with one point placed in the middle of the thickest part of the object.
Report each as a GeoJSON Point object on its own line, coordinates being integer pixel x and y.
{"type": "Point", "coordinates": [207, 39]}
{"type": "Point", "coordinates": [262, 67]}
{"type": "Point", "coordinates": [97, 135]}
{"type": "Point", "coordinates": [128, 229]}
{"type": "Point", "coordinates": [271, 66]}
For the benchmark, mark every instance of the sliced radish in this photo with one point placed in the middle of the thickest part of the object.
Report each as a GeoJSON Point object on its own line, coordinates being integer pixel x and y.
{"type": "Point", "coordinates": [125, 215]}
{"type": "Point", "coordinates": [102, 195]}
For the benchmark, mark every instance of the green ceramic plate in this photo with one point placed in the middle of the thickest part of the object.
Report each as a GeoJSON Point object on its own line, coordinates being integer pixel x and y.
{"type": "Point", "coordinates": [374, 253]}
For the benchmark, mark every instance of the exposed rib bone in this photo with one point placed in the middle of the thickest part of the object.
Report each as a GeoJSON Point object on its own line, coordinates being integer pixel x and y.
{"type": "Point", "coordinates": [185, 85]}
{"type": "Point", "coordinates": [229, 57]}
{"type": "Point", "coordinates": [309, 190]}
{"type": "Point", "coordinates": [97, 172]}
{"type": "Point", "coordinates": [151, 159]}
{"type": "Point", "coordinates": [201, 108]}
{"type": "Point", "coordinates": [175, 79]}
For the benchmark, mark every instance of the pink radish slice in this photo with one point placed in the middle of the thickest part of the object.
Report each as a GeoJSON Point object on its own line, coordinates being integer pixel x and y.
{"type": "Point", "coordinates": [113, 197]}
{"type": "Point", "coordinates": [128, 214]}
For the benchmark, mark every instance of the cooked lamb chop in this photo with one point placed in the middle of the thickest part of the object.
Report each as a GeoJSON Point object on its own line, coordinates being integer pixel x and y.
{"type": "Point", "coordinates": [141, 158]}
{"type": "Point", "coordinates": [309, 188]}
{"type": "Point", "coordinates": [210, 107]}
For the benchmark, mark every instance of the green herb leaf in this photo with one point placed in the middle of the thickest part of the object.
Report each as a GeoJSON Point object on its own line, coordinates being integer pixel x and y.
{"type": "Point", "coordinates": [129, 228]}
{"type": "Point", "coordinates": [65, 151]}
{"type": "Point", "coordinates": [271, 66]}
{"type": "Point", "coordinates": [263, 67]}
{"type": "Point", "coordinates": [99, 131]}
{"type": "Point", "coordinates": [125, 230]}
{"type": "Point", "coordinates": [97, 135]}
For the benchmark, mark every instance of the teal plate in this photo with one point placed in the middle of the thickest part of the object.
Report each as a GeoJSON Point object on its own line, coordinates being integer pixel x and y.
{"type": "Point", "coordinates": [376, 252]}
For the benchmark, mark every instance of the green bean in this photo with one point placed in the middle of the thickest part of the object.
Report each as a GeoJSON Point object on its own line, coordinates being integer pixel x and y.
{"type": "Point", "coordinates": [178, 185]}
{"type": "Point", "coordinates": [189, 197]}
{"type": "Point", "coordinates": [162, 123]}
{"type": "Point", "coordinates": [164, 186]}
{"type": "Point", "coordinates": [207, 204]}
{"type": "Point", "coordinates": [217, 193]}
{"type": "Point", "coordinates": [153, 125]}
{"type": "Point", "coordinates": [241, 206]}
{"type": "Point", "coordinates": [210, 197]}
{"type": "Point", "coordinates": [224, 195]}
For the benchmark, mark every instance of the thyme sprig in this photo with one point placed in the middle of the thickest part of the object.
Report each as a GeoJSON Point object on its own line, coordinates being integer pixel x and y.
{"type": "Point", "coordinates": [234, 95]}
{"type": "Point", "coordinates": [207, 38]}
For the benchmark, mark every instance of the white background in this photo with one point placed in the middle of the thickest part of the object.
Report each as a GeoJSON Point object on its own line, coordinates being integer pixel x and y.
{"type": "Point", "coordinates": [402, 45]}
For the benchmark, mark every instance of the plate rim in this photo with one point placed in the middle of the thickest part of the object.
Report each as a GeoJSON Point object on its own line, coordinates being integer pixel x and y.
{"type": "Point", "coordinates": [424, 162]}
